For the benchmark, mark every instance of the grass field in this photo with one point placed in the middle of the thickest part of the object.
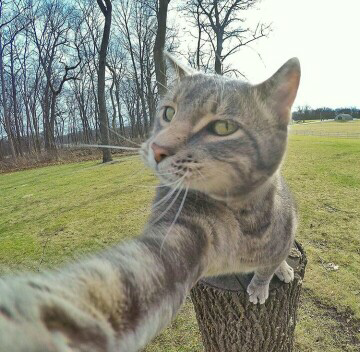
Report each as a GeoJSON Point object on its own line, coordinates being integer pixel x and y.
{"type": "Point", "coordinates": [54, 213]}
{"type": "Point", "coordinates": [328, 126]}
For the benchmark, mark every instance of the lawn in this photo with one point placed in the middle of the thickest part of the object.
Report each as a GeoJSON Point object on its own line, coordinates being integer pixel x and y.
{"type": "Point", "coordinates": [328, 126]}
{"type": "Point", "coordinates": [55, 213]}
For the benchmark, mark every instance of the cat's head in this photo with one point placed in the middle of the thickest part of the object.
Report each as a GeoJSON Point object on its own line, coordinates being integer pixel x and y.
{"type": "Point", "coordinates": [222, 136]}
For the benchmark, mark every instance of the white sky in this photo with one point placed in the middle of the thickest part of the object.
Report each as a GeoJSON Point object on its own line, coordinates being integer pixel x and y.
{"type": "Point", "coordinates": [323, 34]}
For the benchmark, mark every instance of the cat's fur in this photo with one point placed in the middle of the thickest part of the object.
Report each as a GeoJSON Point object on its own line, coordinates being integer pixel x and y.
{"type": "Point", "coordinates": [238, 216]}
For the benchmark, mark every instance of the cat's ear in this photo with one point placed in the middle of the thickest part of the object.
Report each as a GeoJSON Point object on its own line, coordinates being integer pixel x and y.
{"type": "Point", "coordinates": [279, 91]}
{"type": "Point", "coordinates": [180, 69]}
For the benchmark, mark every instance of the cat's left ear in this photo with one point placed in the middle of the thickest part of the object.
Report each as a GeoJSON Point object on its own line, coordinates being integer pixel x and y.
{"type": "Point", "coordinates": [279, 91]}
{"type": "Point", "coordinates": [180, 69]}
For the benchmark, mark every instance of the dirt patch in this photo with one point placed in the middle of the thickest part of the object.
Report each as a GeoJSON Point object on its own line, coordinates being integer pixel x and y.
{"type": "Point", "coordinates": [348, 326]}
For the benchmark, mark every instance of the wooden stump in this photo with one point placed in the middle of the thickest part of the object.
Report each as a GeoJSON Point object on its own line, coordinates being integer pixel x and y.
{"type": "Point", "coordinates": [229, 322]}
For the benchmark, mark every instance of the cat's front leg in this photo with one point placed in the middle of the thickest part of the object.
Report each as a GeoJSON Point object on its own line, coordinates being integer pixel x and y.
{"type": "Point", "coordinates": [258, 288]}
{"type": "Point", "coordinates": [285, 272]}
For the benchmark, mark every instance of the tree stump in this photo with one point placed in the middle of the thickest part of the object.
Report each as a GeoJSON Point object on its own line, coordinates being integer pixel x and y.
{"type": "Point", "coordinates": [229, 322]}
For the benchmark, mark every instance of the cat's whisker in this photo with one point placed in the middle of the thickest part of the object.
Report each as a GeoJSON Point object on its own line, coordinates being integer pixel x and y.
{"type": "Point", "coordinates": [175, 218]}
{"type": "Point", "coordinates": [103, 164]}
{"type": "Point", "coordinates": [99, 146]}
{"type": "Point", "coordinates": [168, 207]}
{"type": "Point", "coordinates": [124, 138]}
{"type": "Point", "coordinates": [136, 172]}
{"type": "Point", "coordinates": [165, 173]}
{"type": "Point", "coordinates": [132, 157]}
{"type": "Point", "coordinates": [200, 173]}
{"type": "Point", "coordinates": [162, 184]}
{"type": "Point", "coordinates": [168, 195]}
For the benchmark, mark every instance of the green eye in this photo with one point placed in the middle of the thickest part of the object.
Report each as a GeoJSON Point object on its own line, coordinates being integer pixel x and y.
{"type": "Point", "coordinates": [169, 113]}
{"type": "Point", "coordinates": [224, 127]}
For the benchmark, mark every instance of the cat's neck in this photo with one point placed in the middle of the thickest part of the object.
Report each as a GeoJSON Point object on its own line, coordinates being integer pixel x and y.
{"type": "Point", "coordinates": [250, 200]}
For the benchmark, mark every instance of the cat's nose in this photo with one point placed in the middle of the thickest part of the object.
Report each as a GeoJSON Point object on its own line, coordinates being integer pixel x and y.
{"type": "Point", "coordinates": [160, 153]}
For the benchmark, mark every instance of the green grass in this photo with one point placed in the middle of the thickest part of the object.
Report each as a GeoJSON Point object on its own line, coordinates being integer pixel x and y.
{"type": "Point", "coordinates": [329, 126]}
{"type": "Point", "coordinates": [50, 214]}
{"type": "Point", "coordinates": [299, 122]}
{"type": "Point", "coordinates": [70, 209]}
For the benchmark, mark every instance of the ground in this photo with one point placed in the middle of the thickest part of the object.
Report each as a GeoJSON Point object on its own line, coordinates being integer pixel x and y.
{"type": "Point", "coordinates": [59, 212]}
{"type": "Point", "coordinates": [331, 127]}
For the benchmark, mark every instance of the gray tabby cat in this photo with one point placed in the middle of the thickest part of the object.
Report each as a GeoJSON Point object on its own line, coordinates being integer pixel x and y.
{"type": "Point", "coordinates": [217, 146]}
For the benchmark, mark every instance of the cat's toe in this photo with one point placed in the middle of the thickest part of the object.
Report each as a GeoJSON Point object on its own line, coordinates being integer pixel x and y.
{"type": "Point", "coordinates": [285, 273]}
{"type": "Point", "coordinates": [258, 294]}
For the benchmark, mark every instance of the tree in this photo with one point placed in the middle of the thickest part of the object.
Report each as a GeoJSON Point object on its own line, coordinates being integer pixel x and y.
{"type": "Point", "coordinates": [160, 66]}
{"type": "Point", "coordinates": [228, 321]}
{"type": "Point", "coordinates": [106, 9]}
{"type": "Point", "coordinates": [10, 26]}
{"type": "Point", "coordinates": [55, 34]}
{"type": "Point", "coordinates": [224, 29]}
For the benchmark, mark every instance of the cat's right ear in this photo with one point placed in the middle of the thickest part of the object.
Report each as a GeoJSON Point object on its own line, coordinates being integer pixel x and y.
{"type": "Point", "coordinates": [279, 91]}
{"type": "Point", "coordinates": [180, 69]}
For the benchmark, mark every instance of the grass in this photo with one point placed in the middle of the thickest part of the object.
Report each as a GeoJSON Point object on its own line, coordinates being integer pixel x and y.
{"type": "Point", "coordinates": [54, 213]}
{"type": "Point", "coordinates": [70, 209]}
{"type": "Point", "coordinates": [329, 126]}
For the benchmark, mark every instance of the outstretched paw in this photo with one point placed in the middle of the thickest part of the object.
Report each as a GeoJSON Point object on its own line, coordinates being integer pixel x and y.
{"type": "Point", "coordinates": [285, 272]}
{"type": "Point", "coordinates": [258, 293]}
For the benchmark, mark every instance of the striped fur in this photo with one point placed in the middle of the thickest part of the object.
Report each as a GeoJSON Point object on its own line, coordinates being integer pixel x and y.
{"type": "Point", "coordinates": [233, 213]}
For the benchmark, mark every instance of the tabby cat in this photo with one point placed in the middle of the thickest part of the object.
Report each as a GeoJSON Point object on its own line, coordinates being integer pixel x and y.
{"type": "Point", "coordinates": [216, 146]}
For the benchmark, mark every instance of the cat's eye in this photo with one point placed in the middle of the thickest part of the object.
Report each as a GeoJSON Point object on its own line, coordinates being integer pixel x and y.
{"type": "Point", "coordinates": [224, 127]}
{"type": "Point", "coordinates": [169, 113]}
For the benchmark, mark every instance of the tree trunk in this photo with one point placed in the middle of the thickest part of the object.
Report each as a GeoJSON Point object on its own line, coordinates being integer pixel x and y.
{"type": "Point", "coordinates": [140, 90]}
{"type": "Point", "coordinates": [218, 62]}
{"type": "Point", "coordinates": [229, 322]}
{"type": "Point", "coordinates": [103, 118]}
{"type": "Point", "coordinates": [15, 103]}
{"type": "Point", "coordinates": [160, 67]}
{"type": "Point", "coordinates": [52, 124]}
{"type": "Point", "coordinates": [117, 96]}
{"type": "Point", "coordinates": [113, 119]}
{"type": "Point", "coordinates": [7, 123]}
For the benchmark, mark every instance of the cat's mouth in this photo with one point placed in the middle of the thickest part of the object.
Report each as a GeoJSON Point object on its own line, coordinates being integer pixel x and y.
{"type": "Point", "coordinates": [174, 170]}
{"type": "Point", "coordinates": [179, 171]}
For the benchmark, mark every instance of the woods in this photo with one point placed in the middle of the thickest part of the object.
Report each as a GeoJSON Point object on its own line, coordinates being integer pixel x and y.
{"type": "Point", "coordinates": [88, 72]}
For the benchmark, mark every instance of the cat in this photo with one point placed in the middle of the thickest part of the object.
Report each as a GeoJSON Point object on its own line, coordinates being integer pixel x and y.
{"type": "Point", "coordinates": [222, 207]}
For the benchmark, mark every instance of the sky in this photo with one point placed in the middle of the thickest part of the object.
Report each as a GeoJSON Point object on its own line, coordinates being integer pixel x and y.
{"type": "Point", "coordinates": [323, 34]}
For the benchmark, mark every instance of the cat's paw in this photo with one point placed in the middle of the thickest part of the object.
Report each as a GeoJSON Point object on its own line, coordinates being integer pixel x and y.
{"type": "Point", "coordinates": [285, 272]}
{"type": "Point", "coordinates": [258, 293]}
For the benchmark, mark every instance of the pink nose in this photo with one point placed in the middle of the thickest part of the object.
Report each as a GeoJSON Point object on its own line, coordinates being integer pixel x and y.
{"type": "Point", "coordinates": [160, 153]}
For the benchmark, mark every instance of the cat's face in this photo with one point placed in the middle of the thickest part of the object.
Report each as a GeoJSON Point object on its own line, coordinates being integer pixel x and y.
{"type": "Point", "coordinates": [220, 136]}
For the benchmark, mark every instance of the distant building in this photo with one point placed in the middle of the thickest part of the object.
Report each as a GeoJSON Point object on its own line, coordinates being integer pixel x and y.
{"type": "Point", "coordinates": [343, 117]}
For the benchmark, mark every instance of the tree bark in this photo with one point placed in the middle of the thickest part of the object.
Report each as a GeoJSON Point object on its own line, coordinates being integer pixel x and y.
{"type": "Point", "coordinates": [7, 123]}
{"type": "Point", "coordinates": [160, 66]}
{"type": "Point", "coordinates": [140, 90]}
{"type": "Point", "coordinates": [15, 102]}
{"type": "Point", "coordinates": [228, 321]}
{"type": "Point", "coordinates": [106, 9]}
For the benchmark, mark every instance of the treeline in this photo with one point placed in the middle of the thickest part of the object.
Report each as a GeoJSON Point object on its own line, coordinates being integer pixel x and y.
{"type": "Point", "coordinates": [304, 113]}
{"type": "Point", "coordinates": [50, 59]}
{"type": "Point", "coordinates": [49, 68]}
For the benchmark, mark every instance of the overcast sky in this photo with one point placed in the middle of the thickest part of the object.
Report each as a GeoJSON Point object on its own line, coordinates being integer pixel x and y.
{"type": "Point", "coordinates": [324, 35]}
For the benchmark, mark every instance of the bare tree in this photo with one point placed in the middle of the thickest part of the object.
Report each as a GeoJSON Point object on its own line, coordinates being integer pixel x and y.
{"type": "Point", "coordinates": [106, 9]}
{"type": "Point", "coordinates": [223, 26]}
{"type": "Point", "coordinates": [160, 66]}
{"type": "Point", "coordinates": [55, 33]}
{"type": "Point", "coordinates": [135, 16]}
{"type": "Point", "coordinates": [11, 24]}
{"type": "Point", "coordinates": [116, 66]}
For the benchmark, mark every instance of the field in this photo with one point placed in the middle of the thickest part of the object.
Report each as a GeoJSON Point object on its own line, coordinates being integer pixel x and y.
{"type": "Point", "coordinates": [51, 214]}
{"type": "Point", "coordinates": [328, 127]}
